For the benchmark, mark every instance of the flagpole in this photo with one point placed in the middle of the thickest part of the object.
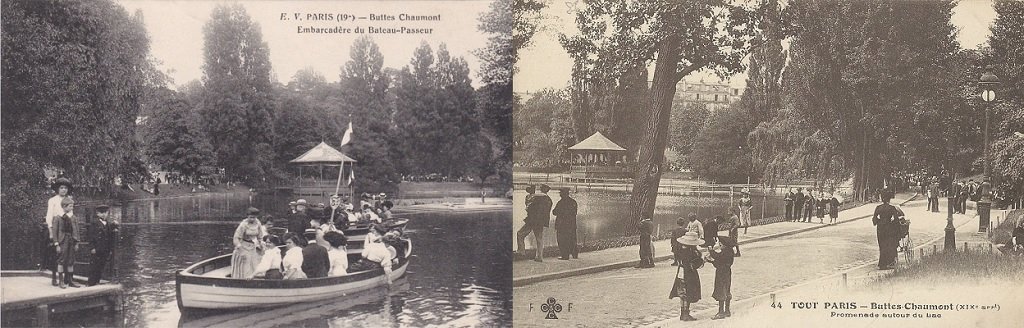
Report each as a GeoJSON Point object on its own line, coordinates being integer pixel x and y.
{"type": "Point", "coordinates": [341, 168]}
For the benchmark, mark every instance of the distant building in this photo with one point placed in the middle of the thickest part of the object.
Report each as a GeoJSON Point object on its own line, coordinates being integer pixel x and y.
{"type": "Point", "coordinates": [714, 95]}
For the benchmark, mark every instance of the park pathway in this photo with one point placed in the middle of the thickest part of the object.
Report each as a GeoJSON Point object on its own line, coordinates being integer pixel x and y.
{"type": "Point", "coordinates": [628, 297]}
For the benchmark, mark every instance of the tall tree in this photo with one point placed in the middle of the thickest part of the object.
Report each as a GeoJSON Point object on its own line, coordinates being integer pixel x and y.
{"type": "Point", "coordinates": [436, 115]}
{"type": "Point", "coordinates": [680, 38]}
{"type": "Point", "coordinates": [237, 105]}
{"type": "Point", "coordinates": [173, 135]}
{"type": "Point", "coordinates": [1007, 57]}
{"type": "Point", "coordinates": [74, 73]}
{"type": "Point", "coordinates": [858, 75]}
{"type": "Point", "coordinates": [364, 94]}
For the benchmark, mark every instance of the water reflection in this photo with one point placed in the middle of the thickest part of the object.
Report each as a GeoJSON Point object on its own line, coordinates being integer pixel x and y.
{"type": "Point", "coordinates": [602, 215]}
{"type": "Point", "coordinates": [460, 271]}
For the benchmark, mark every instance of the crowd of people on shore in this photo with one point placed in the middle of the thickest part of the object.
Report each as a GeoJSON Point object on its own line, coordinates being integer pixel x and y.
{"type": "Point", "coordinates": [803, 206]}
{"type": "Point", "coordinates": [314, 241]}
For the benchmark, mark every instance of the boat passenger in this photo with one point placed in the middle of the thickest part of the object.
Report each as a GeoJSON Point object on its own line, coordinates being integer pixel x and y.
{"type": "Point", "coordinates": [315, 262]}
{"type": "Point", "coordinates": [297, 221]}
{"type": "Point", "coordinates": [248, 245]}
{"type": "Point", "coordinates": [270, 263]}
{"type": "Point", "coordinates": [385, 210]}
{"type": "Point", "coordinates": [292, 262]}
{"type": "Point", "coordinates": [376, 232]}
{"type": "Point", "coordinates": [353, 217]}
{"type": "Point", "coordinates": [369, 215]}
{"type": "Point", "coordinates": [337, 253]}
{"type": "Point", "coordinates": [378, 253]}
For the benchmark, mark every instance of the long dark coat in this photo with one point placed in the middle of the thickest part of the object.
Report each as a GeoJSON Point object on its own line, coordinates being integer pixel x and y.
{"type": "Point", "coordinates": [688, 287]}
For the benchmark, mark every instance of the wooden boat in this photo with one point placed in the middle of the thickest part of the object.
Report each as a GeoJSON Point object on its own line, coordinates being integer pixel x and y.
{"type": "Point", "coordinates": [205, 285]}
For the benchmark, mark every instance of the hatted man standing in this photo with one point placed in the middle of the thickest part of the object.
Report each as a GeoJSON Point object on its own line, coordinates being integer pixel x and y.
{"type": "Point", "coordinates": [565, 225]}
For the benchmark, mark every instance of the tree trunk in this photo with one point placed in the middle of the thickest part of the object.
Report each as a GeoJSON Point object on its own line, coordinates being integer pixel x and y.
{"type": "Point", "coordinates": [647, 174]}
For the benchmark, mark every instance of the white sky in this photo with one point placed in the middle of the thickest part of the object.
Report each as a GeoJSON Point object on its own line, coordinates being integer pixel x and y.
{"type": "Point", "coordinates": [176, 33]}
{"type": "Point", "coordinates": [546, 65]}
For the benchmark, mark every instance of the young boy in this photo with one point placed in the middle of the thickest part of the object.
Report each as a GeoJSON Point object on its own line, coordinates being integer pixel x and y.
{"type": "Point", "coordinates": [722, 257]}
{"type": "Point", "coordinates": [66, 236]}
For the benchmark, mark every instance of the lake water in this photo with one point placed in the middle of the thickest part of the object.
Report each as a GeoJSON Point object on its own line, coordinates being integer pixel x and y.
{"type": "Point", "coordinates": [602, 214]}
{"type": "Point", "coordinates": [459, 272]}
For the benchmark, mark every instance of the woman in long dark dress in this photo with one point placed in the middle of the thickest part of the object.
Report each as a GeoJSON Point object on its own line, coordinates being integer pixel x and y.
{"type": "Point", "coordinates": [885, 220]}
{"type": "Point", "coordinates": [687, 283]}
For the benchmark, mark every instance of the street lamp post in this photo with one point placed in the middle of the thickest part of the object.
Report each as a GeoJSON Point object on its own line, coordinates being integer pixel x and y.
{"type": "Point", "coordinates": [987, 84]}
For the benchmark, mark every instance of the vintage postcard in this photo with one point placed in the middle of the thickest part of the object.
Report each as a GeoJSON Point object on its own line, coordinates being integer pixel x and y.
{"type": "Point", "coordinates": [768, 164]}
{"type": "Point", "coordinates": [256, 163]}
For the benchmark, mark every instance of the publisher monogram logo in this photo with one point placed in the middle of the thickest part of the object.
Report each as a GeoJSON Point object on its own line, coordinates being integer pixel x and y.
{"type": "Point", "coordinates": [551, 307]}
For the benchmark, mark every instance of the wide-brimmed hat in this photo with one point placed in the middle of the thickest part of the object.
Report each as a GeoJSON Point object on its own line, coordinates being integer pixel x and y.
{"type": "Point", "coordinates": [62, 182]}
{"type": "Point", "coordinates": [252, 211]}
{"type": "Point", "coordinates": [301, 202]}
{"type": "Point", "coordinates": [102, 208]}
{"type": "Point", "coordinates": [690, 238]}
{"type": "Point", "coordinates": [292, 203]}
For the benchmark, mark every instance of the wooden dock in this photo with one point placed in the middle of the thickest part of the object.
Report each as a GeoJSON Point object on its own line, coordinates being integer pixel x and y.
{"type": "Point", "coordinates": [29, 296]}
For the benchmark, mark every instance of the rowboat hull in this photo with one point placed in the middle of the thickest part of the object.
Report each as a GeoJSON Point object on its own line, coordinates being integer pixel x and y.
{"type": "Point", "coordinates": [197, 288]}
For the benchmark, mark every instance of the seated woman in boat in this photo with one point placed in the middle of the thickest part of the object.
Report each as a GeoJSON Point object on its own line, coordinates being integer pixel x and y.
{"type": "Point", "coordinates": [394, 239]}
{"type": "Point", "coordinates": [380, 254]}
{"type": "Point", "coordinates": [385, 210]}
{"type": "Point", "coordinates": [292, 262]}
{"type": "Point", "coordinates": [337, 253]}
{"type": "Point", "coordinates": [270, 264]}
{"type": "Point", "coordinates": [369, 215]}
{"type": "Point", "coordinates": [248, 245]}
{"type": "Point", "coordinates": [353, 216]}
{"type": "Point", "coordinates": [376, 232]}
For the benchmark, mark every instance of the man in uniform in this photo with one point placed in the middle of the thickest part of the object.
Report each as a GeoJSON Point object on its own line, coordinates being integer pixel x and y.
{"type": "Point", "coordinates": [102, 236]}
{"type": "Point", "coordinates": [798, 204]}
{"type": "Point", "coordinates": [646, 244]}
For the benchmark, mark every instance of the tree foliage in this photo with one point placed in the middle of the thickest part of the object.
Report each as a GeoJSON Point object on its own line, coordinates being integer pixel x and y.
{"type": "Point", "coordinates": [74, 73]}
{"type": "Point", "coordinates": [237, 103]}
{"type": "Point", "coordinates": [364, 94]}
{"type": "Point", "coordinates": [863, 77]}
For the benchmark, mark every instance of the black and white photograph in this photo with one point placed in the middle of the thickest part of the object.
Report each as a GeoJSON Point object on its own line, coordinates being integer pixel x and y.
{"type": "Point", "coordinates": [256, 163]}
{"type": "Point", "coordinates": [768, 163]}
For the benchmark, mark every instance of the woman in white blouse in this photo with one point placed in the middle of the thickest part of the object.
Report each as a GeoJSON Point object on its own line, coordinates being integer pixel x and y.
{"type": "Point", "coordinates": [337, 253]}
{"type": "Point", "coordinates": [270, 263]}
{"type": "Point", "coordinates": [292, 262]}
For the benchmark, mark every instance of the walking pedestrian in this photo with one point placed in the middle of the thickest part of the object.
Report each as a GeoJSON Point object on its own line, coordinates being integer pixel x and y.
{"type": "Point", "coordinates": [686, 285]}
{"type": "Point", "coordinates": [695, 225]}
{"type": "Point", "coordinates": [798, 204]}
{"type": "Point", "coordinates": [822, 205]}
{"type": "Point", "coordinates": [646, 244]}
{"type": "Point", "coordinates": [745, 205]}
{"type": "Point", "coordinates": [538, 217]}
{"type": "Point", "coordinates": [933, 195]}
{"type": "Point", "coordinates": [722, 258]}
{"type": "Point", "coordinates": [965, 192]}
{"type": "Point", "coordinates": [565, 225]}
{"type": "Point", "coordinates": [789, 204]}
{"type": "Point", "coordinates": [102, 238]}
{"type": "Point", "coordinates": [731, 224]}
{"type": "Point", "coordinates": [679, 231]}
{"type": "Point", "coordinates": [810, 203]}
{"type": "Point", "coordinates": [833, 209]}
{"type": "Point", "coordinates": [711, 231]}
{"type": "Point", "coordinates": [885, 219]}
